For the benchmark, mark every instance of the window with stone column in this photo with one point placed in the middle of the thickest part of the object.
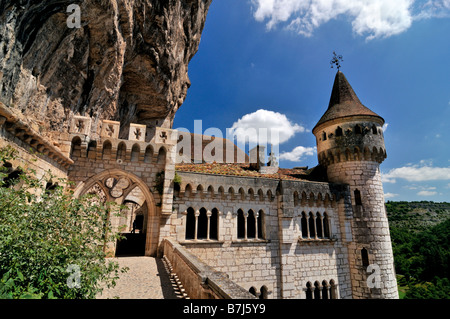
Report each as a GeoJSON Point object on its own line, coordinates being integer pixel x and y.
{"type": "Point", "coordinates": [250, 224]}
{"type": "Point", "coordinates": [202, 224]}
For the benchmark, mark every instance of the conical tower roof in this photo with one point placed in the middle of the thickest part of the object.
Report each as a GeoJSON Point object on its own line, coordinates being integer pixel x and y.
{"type": "Point", "coordinates": [344, 102]}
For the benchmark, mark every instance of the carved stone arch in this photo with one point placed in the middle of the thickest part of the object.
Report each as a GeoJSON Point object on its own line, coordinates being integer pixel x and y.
{"type": "Point", "coordinates": [374, 154]}
{"type": "Point", "coordinates": [311, 199]}
{"type": "Point", "coordinates": [117, 185]}
{"type": "Point", "coordinates": [188, 190]}
{"type": "Point", "coordinates": [260, 194]}
{"type": "Point", "coordinates": [148, 155]}
{"type": "Point", "coordinates": [75, 148]}
{"type": "Point", "coordinates": [200, 191]}
{"type": "Point", "coordinates": [107, 150]}
{"type": "Point", "coordinates": [269, 195]}
{"type": "Point", "coordinates": [210, 191]}
{"type": "Point", "coordinates": [162, 155]}
{"type": "Point", "coordinates": [231, 192]}
{"type": "Point", "coordinates": [357, 153]}
{"type": "Point", "coordinates": [296, 198]}
{"type": "Point", "coordinates": [367, 153]}
{"type": "Point", "coordinates": [304, 199]}
{"type": "Point", "coordinates": [242, 193]}
{"type": "Point", "coordinates": [221, 192]}
{"type": "Point", "coordinates": [121, 151]}
{"type": "Point", "coordinates": [135, 153]}
{"type": "Point", "coordinates": [348, 155]}
{"type": "Point", "coordinates": [251, 193]}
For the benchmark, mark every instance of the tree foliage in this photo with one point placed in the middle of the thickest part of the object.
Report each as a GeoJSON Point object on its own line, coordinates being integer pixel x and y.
{"type": "Point", "coordinates": [44, 231]}
{"type": "Point", "coordinates": [421, 255]}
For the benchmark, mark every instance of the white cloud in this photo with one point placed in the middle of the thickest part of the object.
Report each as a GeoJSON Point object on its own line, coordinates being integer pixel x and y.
{"type": "Point", "coordinates": [370, 18]}
{"type": "Point", "coordinates": [426, 193]}
{"type": "Point", "coordinates": [416, 173]}
{"type": "Point", "coordinates": [385, 126]}
{"type": "Point", "coordinates": [297, 153]}
{"type": "Point", "coordinates": [264, 127]}
{"type": "Point", "coordinates": [390, 195]}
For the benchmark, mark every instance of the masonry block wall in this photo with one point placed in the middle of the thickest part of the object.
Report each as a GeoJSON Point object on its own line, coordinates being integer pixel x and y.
{"type": "Point", "coordinates": [293, 256]}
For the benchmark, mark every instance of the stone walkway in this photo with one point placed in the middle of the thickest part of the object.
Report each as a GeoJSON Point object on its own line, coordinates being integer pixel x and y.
{"type": "Point", "coordinates": [146, 278]}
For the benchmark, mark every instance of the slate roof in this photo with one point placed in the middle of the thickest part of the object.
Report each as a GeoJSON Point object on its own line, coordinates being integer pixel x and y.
{"type": "Point", "coordinates": [344, 102]}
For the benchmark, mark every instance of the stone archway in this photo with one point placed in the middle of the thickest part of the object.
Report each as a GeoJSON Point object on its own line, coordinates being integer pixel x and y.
{"type": "Point", "coordinates": [126, 189]}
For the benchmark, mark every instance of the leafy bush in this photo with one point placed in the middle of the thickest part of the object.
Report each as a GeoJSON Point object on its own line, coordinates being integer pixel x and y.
{"type": "Point", "coordinates": [47, 234]}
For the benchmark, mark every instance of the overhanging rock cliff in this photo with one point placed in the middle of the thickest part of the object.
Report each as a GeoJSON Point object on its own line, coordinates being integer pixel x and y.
{"type": "Point", "coordinates": [128, 61]}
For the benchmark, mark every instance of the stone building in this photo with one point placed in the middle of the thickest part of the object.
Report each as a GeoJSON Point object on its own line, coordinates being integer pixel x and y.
{"type": "Point", "coordinates": [319, 233]}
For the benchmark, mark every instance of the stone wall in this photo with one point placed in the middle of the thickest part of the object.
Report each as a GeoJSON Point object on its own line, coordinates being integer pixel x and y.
{"type": "Point", "coordinates": [282, 262]}
{"type": "Point", "coordinates": [370, 228]}
{"type": "Point", "coordinates": [199, 279]}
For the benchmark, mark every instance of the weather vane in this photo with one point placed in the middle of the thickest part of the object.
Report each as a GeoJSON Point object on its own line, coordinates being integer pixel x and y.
{"type": "Point", "coordinates": [336, 60]}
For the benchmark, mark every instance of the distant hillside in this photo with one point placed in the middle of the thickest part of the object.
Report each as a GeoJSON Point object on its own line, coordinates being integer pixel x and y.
{"type": "Point", "coordinates": [417, 216]}
{"type": "Point", "coordinates": [420, 233]}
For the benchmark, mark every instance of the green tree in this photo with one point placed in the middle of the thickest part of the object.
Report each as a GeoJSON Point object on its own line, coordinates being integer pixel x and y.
{"type": "Point", "coordinates": [47, 235]}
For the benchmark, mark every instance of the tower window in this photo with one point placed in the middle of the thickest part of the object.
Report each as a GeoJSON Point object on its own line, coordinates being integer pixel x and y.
{"type": "Point", "coordinates": [374, 129]}
{"type": "Point", "coordinates": [358, 129]}
{"type": "Point", "coordinates": [324, 136]}
{"type": "Point", "coordinates": [365, 257]}
{"type": "Point", "coordinates": [357, 194]}
{"type": "Point", "coordinates": [338, 131]}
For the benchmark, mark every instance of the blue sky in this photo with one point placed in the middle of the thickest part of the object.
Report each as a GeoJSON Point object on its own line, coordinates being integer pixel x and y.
{"type": "Point", "coordinates": [267, 61]}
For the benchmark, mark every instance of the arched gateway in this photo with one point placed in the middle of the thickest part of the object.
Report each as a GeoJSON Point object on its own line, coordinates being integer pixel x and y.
{"type": "Point", "coordinates": [139, 223]}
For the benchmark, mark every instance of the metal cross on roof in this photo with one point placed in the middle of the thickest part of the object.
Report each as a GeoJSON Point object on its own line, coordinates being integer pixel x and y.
{"type": "Point", "coordinates": [336, 60]}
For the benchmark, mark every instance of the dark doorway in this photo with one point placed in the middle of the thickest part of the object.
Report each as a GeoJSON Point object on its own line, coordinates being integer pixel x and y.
{"type": "Point", "coordinates": [132, 244]}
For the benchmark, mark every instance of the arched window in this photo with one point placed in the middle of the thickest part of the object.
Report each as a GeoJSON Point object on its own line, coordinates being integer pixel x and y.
{"type": "Point", "coordinates": [311, 224]}
{"type": "Point", "coordinates": [263, 292]}
{"type": "Point", "coordinates": [261, 224]}
{"type": "Point", "coordinates": [324, 136]}
{"type": "Point", "coordinates": [135, 150]}
{"type": "Point", "coordinates": [338, 131]}
{"type": "Point", "coordinates": [241, 224]}
{"type": "Point", "coordinates": [374, 129]}
{"type": "Point", "coordinates": [319, 226]}
{"type": "Point", "coordinates": [92, 149]}
{"type": "Point", "coordinates": [161, 156]}
{"type": "Point", "coordinates": [75, 150]}
{"type": "Point", "coordinates": [365, 257]}
{"type": "Point", "coordinates": [121, 151]}
{"type": "Point", "coordinates": [213, 222]}
{"type": "Point", "coordinates": [357, 194]}
{"type": "Point", "coordinates": [13, 178]}
{"type": "Point", "coordinates": [251, 224]}
{"type": "Point", "coordinates": [326, 226]}
{"type": "Point", "coordinates": [333, 294]}
{"type": "Point", "coordinates": [252, 290]}
{"type": "Point", "coordinates": [107, 147]}
{"type": "Point", "coordinates": [324, 290]}
{"type": "Point", "coordinates": [304, 223]}
{"type": "Point", "coordinates": [202, 226]}
{"type": "Point", "coordinates": [309, 291]}
{"type": "Point", "coordinates": [190, 223]}
{"type": "Point", "coordinates": [316, 290]}
{"type": "Point", "coordinates": [358, 129]}
{"type": "Point", "coordinates": [148, 154]}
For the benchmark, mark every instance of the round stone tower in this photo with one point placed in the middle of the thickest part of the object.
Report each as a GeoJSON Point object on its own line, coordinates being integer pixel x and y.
{"type": "Point", "coordinates": [350, 144]}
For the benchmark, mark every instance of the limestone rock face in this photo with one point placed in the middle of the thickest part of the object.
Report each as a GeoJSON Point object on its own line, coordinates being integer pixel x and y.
{"type": "Point", "coordinates": [128, 61]}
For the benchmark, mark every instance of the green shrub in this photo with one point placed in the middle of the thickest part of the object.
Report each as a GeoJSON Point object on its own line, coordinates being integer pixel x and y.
{"type": "Point", "coordinates": [47, 235]}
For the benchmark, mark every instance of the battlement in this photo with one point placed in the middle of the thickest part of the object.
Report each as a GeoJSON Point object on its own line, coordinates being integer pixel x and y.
{"type": "Point", "coordinates": [139, 147]}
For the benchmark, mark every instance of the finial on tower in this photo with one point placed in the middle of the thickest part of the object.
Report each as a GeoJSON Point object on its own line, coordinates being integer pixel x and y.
{"type": "Point", "coordinates": [336, 60]}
